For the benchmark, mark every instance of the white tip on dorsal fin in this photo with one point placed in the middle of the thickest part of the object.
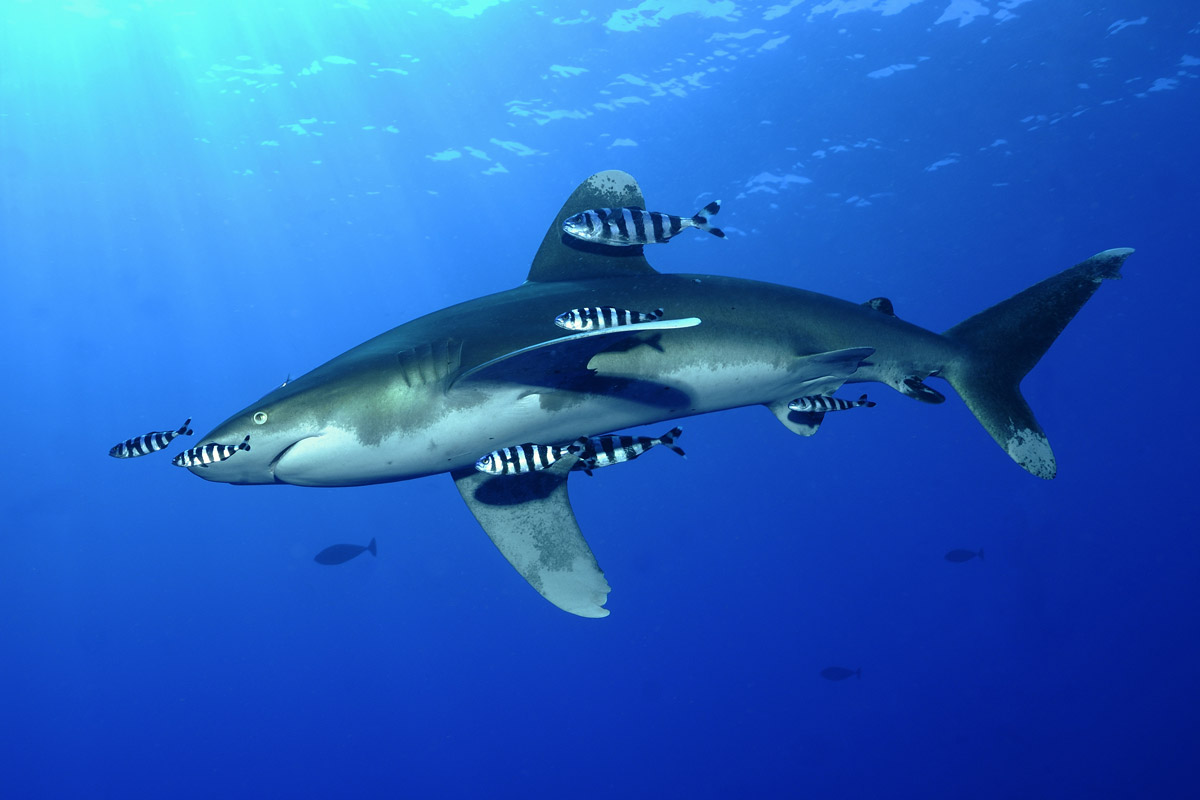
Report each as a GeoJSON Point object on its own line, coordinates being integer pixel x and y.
{"type": "Point", "coordinates": [564, 258]}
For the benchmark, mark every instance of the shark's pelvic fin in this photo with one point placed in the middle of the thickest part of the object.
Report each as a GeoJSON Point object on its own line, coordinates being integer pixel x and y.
{"type": "Point", "coordinates": [529, 519]}
{"type": "Point", "coordinates": [1004, 342]}
{"type": "Point", "coordinates": [564, 258]}
{"type": "Point", "coordinates": [820, 373]}
{"type": "Point", "coordinates": [430, 362]}
{"type": "Point", "coordinates": [565, 356]}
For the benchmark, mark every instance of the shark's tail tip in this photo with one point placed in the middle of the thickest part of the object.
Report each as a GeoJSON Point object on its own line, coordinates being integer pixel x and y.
{"type": "Point", "coordinates": [372, 548]}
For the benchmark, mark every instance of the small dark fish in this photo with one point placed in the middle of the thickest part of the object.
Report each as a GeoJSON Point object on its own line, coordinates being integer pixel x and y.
{"type": "Point", "coordinates": [627, 227]}
{"type": "Point", "coordinates": [528, 457]}
{"type": "Point", "coordinates": [611, 448]}
{"type": "Point", "coordinates": [959, 556]}
{"type": "Point", "coordinates": [149, 442]}
{"type": "Point", "coordinates": [595, 318]}
{"type": "Point", "coordinates": [824, 403]}
{"type": "Point", "coordinates": [840, 673]}
{"type": "Point", "coordinates": [341, 553]}
{"type": "Point", "coordinates": [211, 453]}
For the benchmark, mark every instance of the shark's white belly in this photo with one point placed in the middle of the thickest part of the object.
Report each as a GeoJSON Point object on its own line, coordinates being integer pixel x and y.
{"type": "Point", "coordinates": [465, 431]}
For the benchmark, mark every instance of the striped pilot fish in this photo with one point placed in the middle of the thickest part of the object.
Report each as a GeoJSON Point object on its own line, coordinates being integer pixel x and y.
{"type": "Point", "coordinates": [821, 403]}
{"type": "Point", "coordinates": [149, 442]}
{"type": "Point", "coordinates": [595, 318]}
{"type": "Point", "coordinates": [612, 448]}
{"type": "Point", "coordinates": [211, 453]}
{"type": "Point", "coordinates": [626, 227]}
{"type": "Point", "coordinates": [522, 458]}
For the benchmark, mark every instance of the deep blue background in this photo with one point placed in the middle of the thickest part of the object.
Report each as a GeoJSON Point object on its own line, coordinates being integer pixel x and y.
{"type": "Point", "coordinates": [171, 245]}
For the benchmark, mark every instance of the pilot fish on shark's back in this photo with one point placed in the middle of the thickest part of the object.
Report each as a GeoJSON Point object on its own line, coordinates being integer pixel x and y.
{"type": "Point", "coordinates": [598, 318]}
{"type": "Point", "coordinates": [149, 442]}
{"type": "Point", "coordinates": [629, 227]}
{"type": "Point", "coordinates": [211, 453]}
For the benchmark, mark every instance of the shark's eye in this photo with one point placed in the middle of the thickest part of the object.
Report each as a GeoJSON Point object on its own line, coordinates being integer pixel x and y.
{"type": "Point", "coordinates": [260, 417]}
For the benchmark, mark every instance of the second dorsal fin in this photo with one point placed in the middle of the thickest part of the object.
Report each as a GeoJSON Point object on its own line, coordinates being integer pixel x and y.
{"type": "Point", "coordinates": [564, 258]}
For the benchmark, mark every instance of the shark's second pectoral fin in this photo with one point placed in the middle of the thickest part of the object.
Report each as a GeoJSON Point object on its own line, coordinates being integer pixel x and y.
{"type": "Point", "coordinates": [820, 373]}
{"type": "Point", "coordinates": [804, 423]}
{"type": "Point", "coordinates": [544, 362]}
{"type": "Point", "coordinates": [529, 519]}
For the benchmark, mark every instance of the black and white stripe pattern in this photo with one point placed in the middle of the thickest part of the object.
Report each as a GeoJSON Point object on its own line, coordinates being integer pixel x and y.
{"type": "Point", "coordinates": [595, 318]}
{"type": "Point", "coordinates": [211, 453]}
{"type": "Point", "coordinates": [149, 442]}
{"type": "Point", "coordinates": [629, 227]}
{"type": "Point", "coordinates": [822, 403]}
{"type": "Point", "coordinates": [611, 448]}
{"type": "Point", "coordinates": [522, 458]}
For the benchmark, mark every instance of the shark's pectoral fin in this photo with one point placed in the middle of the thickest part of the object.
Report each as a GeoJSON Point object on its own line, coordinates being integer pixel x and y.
{"type": "Point", "coordinates": [804, 423]}
{"type": "Point", "coordinates": [562, 358]}
{"type": "Point", "coordinates": [529, 519]}
{"type": "Point", "coordinates": [820, 373]}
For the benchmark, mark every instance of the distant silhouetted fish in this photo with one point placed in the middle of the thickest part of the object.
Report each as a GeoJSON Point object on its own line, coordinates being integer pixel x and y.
{"type": "Point", "coordinates": [959, 556]}
{"type": "Point", "coordinates": [840, 673]}
{"type": "Point", "coordinates": [341, 553]}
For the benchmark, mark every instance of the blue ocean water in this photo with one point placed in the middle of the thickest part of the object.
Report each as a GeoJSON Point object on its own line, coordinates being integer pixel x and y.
{"type": "Point", "coordinates": [201, 199]}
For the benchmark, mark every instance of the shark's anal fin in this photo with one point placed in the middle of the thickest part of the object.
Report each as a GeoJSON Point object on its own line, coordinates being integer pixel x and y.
{"type": "Point", "coordinates": [540, 362]}
{"type": "Point", "coordinates": [529, 519]}
{"type": "Point", "coordinates": [819, 373]}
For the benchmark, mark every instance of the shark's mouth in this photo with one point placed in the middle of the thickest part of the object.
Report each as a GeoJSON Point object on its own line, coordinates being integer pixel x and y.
{"type": "Point", "coordinates": [281, 468]}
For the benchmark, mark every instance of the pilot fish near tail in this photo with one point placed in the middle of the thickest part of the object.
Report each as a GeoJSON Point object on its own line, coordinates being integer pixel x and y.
{"type": "Point", "coordinates": [211, 453]}
{"type": "Point", "coordinates": [149, 442]}
{"type": "Point", "coordinates": [597, 318]}
{"type": "Point", "coordinates": [628, 227]}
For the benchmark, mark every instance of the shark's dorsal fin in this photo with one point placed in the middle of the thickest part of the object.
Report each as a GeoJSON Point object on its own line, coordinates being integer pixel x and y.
{"type": "Point", "coordinates": [428, 363]}
{"type": "Point", "coordinates": [882, 305]}
{"type": "Point", "coordinates": [529, 519]}
{"type": "Point", "coordinates": [564, 355]}
{"type": "Point", "coordinates": [564, 258]}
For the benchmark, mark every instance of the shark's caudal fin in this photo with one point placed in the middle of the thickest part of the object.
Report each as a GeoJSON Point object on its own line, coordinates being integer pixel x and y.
{"type": "Point", "coordinates": [1004, 342]}
{"type": "Point", "coordinates": [565, 258]}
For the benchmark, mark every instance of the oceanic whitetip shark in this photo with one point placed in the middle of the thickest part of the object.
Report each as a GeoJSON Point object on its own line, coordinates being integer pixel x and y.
{"type": "Point", "coordinates": [437, 393]}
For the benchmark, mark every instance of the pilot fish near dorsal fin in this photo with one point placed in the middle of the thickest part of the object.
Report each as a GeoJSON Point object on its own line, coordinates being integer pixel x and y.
{"type": "Point", "coordinates": [563, 258]}
{"type": "Point", "coordinates": [430, 362]}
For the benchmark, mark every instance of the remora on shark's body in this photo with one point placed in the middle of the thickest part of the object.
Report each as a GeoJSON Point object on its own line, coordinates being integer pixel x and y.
{"type": "Point", "coordinates": [439, 392]}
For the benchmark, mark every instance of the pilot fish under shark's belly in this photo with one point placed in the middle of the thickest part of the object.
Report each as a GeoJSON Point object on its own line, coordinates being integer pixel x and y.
{"type": "Point", "coordinates": [438, 393]}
